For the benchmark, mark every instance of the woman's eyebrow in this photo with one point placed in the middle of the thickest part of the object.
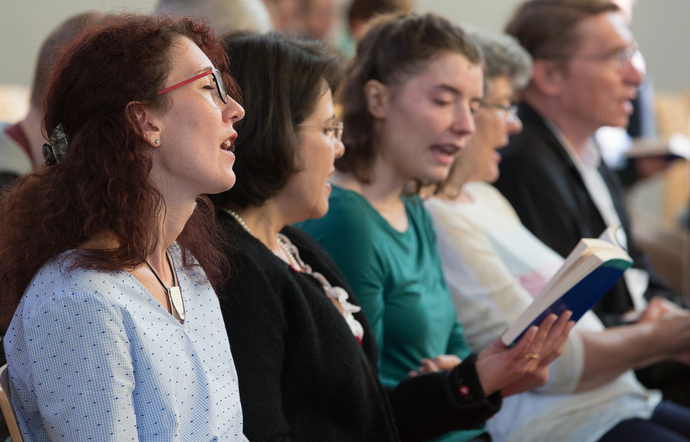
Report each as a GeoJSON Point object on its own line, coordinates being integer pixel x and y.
{"type": "Point", "coordinates": [448, 88]}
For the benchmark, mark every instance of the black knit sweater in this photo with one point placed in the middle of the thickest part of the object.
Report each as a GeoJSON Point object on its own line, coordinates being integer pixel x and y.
{"type": "Point", "coordinates": [303, 376]}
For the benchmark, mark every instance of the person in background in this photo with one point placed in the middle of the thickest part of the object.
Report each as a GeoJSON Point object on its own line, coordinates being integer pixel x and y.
{"type": "Point", "coordinates": [552, 174]}
{"type": "Point", "coordinates": [319, 17]}
{"type": "Point", "coordinates": [494, 267]}
{"type": "Point", "coordinates": [287, 15]}
{"type": "Point", "coordinates": [105, 254]}
{"type": "Point", "coordinates": [225, 15]}
{"type": "Point", "coordinates": [20, 143]}
{"type": "Point", "coordinates": [641, 124]}
{"type": "Point", "coordinates": [360, 13]}
{"type": "Point", "coordinates": [409, 99]}
{"type": "Point", "coordinates": [305, 353]}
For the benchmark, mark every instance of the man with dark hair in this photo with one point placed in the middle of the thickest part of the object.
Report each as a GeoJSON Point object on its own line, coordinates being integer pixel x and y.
{"type": "Point", "coordinates": [552, 172]}
{"type": "Point", "coordinates": [21, 143]}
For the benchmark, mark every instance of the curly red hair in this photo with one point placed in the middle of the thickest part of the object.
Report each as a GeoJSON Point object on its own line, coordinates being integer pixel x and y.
{"type": "Point", "coordinates": [102, 185]}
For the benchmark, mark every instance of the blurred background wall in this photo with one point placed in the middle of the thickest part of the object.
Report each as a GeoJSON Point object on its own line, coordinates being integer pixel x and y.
{"type": "Point", "coordinates": [660, 27]}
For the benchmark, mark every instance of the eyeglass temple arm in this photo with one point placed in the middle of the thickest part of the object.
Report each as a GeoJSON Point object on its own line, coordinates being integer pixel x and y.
{"type": "Point", "coordinates": [203, 74]}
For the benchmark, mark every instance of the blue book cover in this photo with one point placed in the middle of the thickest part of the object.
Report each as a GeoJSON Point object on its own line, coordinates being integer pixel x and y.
{"type": "Point", "coordinates": [583, 294]}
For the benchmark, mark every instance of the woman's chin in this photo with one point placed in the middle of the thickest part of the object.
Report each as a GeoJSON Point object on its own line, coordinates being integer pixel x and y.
{"type": "Point", "coordinates": [226, 184]}
{"type": "Point", "coordinates": [493, 176]}
{"type": "Point", "coordinates": [320, 210]}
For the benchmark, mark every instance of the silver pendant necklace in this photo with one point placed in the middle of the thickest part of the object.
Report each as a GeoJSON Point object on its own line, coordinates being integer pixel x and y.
{"type": "Point", "coordinates": [174, 293]}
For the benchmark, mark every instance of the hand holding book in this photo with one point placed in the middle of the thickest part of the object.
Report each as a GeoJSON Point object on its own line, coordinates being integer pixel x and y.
{"type": "Point", "coordinates": [513, 370]}
{"type": "Point", "coordinates": [526, 365]}
{"type": "Point", "coordinates": [587, 274]}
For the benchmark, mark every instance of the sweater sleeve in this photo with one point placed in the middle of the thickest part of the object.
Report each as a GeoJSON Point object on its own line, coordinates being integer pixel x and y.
{"type": "Point", "coordinates": [434, 404]}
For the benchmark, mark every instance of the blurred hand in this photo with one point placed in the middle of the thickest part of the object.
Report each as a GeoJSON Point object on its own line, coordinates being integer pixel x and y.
{"type": "Point", "coordinates": [657, 307]}
{"type": "Point", "coordinates": [671, 333]}
{"type": "Point", "coordinates": [526, 365]}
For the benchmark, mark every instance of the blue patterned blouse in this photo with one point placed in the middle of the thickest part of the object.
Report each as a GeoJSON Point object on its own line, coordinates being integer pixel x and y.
{"type": "Point", "coordinates": [93, 356]}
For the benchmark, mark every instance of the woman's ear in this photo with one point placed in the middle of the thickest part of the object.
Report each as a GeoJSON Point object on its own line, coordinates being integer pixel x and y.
{"type": "Point", "coordinates": [377, 95]}
{"type": "Point", "coordinates": [547, 76]}
{"type": "Point", "coordinates": [146, 121]}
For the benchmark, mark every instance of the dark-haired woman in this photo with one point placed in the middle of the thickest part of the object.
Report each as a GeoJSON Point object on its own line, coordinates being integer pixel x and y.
{"type": "Point", "coordinates": [304, 351]}
{"type": "Point", "coordinates": [117, 333]}
{"type": "Point", "coordinates": [409, 99]}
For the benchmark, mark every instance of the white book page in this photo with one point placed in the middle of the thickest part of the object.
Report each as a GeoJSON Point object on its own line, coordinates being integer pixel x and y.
{"type": "Point", "coordinates": [583, 260]}
{"type": "Point", "coordinates": [567, 265]}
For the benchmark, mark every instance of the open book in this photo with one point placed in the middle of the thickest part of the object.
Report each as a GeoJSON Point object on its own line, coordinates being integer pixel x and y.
{"type": "Point", "coordinates": [587, 274]}
{"type": "Point", "coordinates": [677, 145]}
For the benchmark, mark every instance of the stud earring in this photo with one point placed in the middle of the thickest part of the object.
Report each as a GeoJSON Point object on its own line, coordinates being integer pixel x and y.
{"type": "Point", "coordinates": [158, 141]}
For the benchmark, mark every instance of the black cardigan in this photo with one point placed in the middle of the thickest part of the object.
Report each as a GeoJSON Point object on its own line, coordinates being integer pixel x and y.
{"type": "Point", "coordinates": [303, 376]}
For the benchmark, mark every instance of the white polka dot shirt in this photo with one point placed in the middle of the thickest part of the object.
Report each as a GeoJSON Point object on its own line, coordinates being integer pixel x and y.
{"type": "Point", "coordinates": [93, 356]}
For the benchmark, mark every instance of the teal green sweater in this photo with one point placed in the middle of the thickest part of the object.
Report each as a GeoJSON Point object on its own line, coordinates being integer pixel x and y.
{"type": "Point", "coordinates": [398, 280]}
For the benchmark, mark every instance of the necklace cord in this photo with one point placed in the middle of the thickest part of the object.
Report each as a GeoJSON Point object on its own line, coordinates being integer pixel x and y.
{"type": "Point", "coordinates": [174, 294]}
{"type": "Point", "coordinates": [172, 269]}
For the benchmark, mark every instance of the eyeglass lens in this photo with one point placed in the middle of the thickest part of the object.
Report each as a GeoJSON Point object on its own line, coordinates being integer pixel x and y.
{"type": "Point", "coordinates": [220, 85]}
{"type": "Point", "coordinates": [338, 131]}
{"type": "Point", "coordinates": [625, 55]}
{"type": "Point", "coordinates": [510, 112]}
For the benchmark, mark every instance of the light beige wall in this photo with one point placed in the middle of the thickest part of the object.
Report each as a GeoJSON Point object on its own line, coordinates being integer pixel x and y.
{"type": "Point", "coordinates": [659, 25]}
{"type": "Point", "coordinates": [24, 24]}
{"type": "Point", "coordinates": [489, 14]}
{"type": "Point", "coordinates": [662, 31]}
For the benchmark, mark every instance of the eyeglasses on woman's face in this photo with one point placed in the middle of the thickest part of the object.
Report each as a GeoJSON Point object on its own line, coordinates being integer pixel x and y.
{"type": "Point", "coordinates": [510, 112]}
{"type": "Point", "coordinates": [217, 79]}
{"type": "Point", "coordinates": [334, 131]}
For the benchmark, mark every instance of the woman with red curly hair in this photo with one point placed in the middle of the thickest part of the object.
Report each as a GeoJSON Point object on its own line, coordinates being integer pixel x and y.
{"type": "Point", "coordinates": [116, 332]}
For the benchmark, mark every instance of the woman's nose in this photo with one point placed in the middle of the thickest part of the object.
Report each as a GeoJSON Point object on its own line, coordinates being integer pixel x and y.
{"type": "Point", "coordinates": [233, 112]}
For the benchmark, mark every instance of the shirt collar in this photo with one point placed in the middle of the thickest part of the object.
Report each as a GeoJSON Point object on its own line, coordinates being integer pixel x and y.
{"type": "Point", "coordinates": [590, 157]}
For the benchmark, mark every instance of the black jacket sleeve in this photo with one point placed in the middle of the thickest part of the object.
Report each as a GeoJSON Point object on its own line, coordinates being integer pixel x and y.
{"type": "Point", "coordinates": [437, 403]}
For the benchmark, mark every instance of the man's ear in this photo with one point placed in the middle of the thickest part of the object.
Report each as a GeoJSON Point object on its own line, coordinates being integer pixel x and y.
{"type": "Point", "coordinates": [377, 95]}
{"type": "Point", "coordinates": [147, 122]}
{"type": "Point", "coordinates": [547, 76]}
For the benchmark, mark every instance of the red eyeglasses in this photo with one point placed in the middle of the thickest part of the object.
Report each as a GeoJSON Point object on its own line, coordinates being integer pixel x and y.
{"type": "Point", "coordinates": [217, 79]}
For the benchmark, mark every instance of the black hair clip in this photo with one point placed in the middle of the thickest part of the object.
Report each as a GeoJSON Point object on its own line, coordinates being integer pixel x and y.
{"type": "Point", "coordinates": [54, 152]}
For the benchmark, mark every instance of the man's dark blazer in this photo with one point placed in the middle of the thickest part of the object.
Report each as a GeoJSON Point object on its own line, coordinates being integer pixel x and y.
{"type": "Point", "coordinates": [541, 181]}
